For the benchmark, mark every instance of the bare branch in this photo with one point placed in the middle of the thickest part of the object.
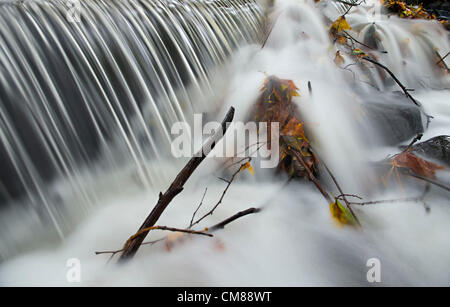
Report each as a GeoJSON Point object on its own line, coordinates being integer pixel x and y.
{"type": "Point", "coordinates": [408, 199]}
{"type": "Point", "coordinates": [195, 212]}
{"type": "Point", "coordinates": [131, 247]}
{"type": "Point", "coordinates": [140, 232]}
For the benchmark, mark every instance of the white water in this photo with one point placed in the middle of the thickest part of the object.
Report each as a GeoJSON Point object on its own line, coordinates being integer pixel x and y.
{"type": "Point", "coordinates": [293, 241]}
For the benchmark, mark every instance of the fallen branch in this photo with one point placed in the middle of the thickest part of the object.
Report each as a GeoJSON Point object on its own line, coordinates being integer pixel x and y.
{"type": "Point", "coordinates": [404, 89]}
{"type": "Point", "coordinates": [130, 248]}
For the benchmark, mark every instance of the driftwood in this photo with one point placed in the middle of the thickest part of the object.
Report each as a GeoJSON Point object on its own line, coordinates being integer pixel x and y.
{"type": "Point", "coordinates": [131, 247]}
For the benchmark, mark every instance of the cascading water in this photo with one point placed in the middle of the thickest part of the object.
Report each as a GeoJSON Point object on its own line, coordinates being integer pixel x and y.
{"type": "Point", "coordinates": [353, 115]}
{"type": "Point", "coordinates": [104, 91]}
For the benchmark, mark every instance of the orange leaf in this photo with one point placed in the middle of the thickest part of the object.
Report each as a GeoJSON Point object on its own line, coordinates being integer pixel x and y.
{"type": "Point", "coordinates": [418, 165]}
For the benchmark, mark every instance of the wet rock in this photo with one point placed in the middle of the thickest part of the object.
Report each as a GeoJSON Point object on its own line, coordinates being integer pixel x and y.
{"type": "Point", "coordinates": [394, 118]}
{"type": "Point", "coordinates": [437, 148]}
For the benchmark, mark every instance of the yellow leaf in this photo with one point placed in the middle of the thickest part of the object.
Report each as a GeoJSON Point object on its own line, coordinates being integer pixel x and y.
{"type": "Point", "coordinates": [359, 53]}
{"type": "Point", "coordinates": [341, 215]}
{"type": "Point", "coordinates": [249, 167]}
{"type": "Point", "coordinates": [294, 93]}
{"type": "Point", "coordinates": [340, 24]}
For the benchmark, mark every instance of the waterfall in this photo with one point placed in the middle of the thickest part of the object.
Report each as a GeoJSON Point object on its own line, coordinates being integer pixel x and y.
{"type": "Point", "coordinates": [95, 85]}
{"type": "Point", "coordinates": [85, 118]}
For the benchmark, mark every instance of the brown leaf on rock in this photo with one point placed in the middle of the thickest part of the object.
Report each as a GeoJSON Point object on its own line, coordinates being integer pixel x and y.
{"type": "Point", "coordinates": [418, 165]}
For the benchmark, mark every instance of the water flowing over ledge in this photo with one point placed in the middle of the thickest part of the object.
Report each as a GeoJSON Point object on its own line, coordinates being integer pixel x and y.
{"type": "Point", "coordinates": [354, 115]}
{"type": "Point", "coordinates": [102, 92]}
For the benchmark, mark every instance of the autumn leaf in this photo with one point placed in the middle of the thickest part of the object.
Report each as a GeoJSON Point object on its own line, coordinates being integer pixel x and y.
{"type": "Point", "coordinates": [341, 215]}
{"type": "Point", "coordinates": [418, 165]}
{"type": "Point", "coordinates": [404, 10]}
{"type": "Point", "coordinates": [249, 167]}
{"type": "Point", "coordinates": [359, 53]}
{"type": "Point", "coordinates": [294, 128]}
{"type": "Point", "coordinates": [275, 104]}
{"type": "Point", "coordinates": [340, 39]}
{"type": "Point", "coordinates": [340, 25]}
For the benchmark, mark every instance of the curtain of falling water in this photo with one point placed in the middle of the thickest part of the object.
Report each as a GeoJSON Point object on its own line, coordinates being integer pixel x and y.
{"type": "Point", "coordinates": [122, 74]}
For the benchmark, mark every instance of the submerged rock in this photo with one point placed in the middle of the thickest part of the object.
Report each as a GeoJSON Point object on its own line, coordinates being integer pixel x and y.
{"type": "Point", "coordinates": [394, 118]}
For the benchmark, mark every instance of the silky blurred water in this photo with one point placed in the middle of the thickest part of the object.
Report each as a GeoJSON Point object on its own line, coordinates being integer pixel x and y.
{"type": "Point", "coordinates": [294, 240]}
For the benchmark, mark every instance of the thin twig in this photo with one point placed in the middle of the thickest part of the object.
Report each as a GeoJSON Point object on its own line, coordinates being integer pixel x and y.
{"type": "Point", "coordinates": [350, 7]}
{"type": "Point", "coordinates": [240, 214]}
{"type": "Point", "coordinates": [416, 138]}
{"type": "Point", "coordinates": [210, 212]}
{"type": "Point", "coordinates": [349, 195]}
{"type": "Point", "coordinates": [408, 199]}
{"type": "Point", "coordinates": [348, 3]}
{"type": "Point", "coordinates": [194, 232]}
{"type": "Point", "coordinates": [195, 212]}
{"type": "Point", "coordinates": [357, 41]}
{"type": "Point", "coordinates": [442, 58]}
